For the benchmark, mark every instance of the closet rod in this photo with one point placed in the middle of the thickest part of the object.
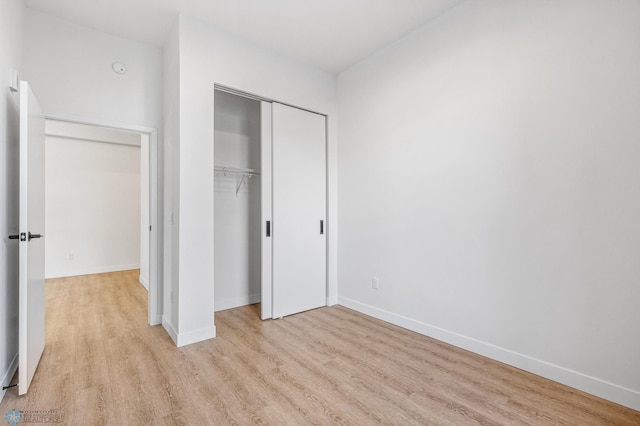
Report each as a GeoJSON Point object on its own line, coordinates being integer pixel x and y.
{"type": "Point", "coordinates": [236, 170]}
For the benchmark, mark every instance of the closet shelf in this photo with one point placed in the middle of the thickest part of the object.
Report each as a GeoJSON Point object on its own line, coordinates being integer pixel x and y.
{"type": "Point", "coordinates": [237, 171]}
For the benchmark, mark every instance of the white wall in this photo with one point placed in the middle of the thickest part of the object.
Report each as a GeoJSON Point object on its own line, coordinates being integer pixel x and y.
{"type": "Point", "coordinates": [209, 56]}
{"type": "Point", "coordinates": [489, 177]}
{"type": "Point", "coordinates": [10, 57]}
{"type": "Point", "coordinates": [92, 207]}
{"type": "Point", "coordinates": [69, 68]}
{"type": "Point", "coordinates": [237, 226]}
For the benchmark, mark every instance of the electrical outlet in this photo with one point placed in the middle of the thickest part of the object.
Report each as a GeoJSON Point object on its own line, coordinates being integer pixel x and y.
{"type": "Point", "coordinates": [374, 283]}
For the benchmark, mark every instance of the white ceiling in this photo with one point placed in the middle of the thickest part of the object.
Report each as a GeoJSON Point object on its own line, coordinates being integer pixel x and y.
{"type": "Point", "coordinates": [330, 34]}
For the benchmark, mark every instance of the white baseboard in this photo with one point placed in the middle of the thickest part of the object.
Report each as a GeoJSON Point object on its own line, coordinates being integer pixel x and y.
{"type": "Point", "coordinates": [188, 338]}
{"type": "Point", "coordinates": [196, 336]}
{"type": "Point", "coordinates": [166, 324]}
{"type": "Point", "coordinates": [90, 271]}
{"type": "Point", "coordinates": [618, 394]}
{"type": "Point", "coordinates": [157, 320]}
{"type": "Point", "coordinates": [8, 375]}
{"type": "Point", "coordinates": [144, 282]}
{"type": "Point", "coordinates": [234, 302]}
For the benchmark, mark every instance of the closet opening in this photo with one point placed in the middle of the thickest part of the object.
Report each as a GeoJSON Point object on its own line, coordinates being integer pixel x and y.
{"type": "Point", "coordinates": [237, 201]}
{"type": "Point", "coordinates": [269, 206]}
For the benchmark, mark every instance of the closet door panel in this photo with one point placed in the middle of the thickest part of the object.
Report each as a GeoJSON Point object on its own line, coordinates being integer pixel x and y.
{"type": "Point", "coordinates": [299, 209]}
{"type": "Point", "coordinates": [265, 202]}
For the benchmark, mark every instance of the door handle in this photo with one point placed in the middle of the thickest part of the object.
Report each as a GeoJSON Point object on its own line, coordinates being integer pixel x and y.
{"type": "Point", "coordinates": [14, 236]}
{"type": "Point", "coordinates": [322, 227]}
{"type": "Point", "coordinates": [268, 228]}
{"type": "Point", "coordinates": [34, 235]}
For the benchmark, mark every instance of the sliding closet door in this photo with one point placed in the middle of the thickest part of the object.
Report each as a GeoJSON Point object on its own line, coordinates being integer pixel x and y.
{"type": "Point", "coordinates": [265, 206]}
{"type": "Point", "coordinates": [299, 208]}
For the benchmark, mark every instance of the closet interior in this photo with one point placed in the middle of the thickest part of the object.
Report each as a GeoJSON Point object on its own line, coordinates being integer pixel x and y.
{"type": "Point", "coordinates": [237, 214]}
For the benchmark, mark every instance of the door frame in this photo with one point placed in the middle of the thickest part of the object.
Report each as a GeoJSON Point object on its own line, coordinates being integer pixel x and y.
{"type": "Point", "coordinates": [155, 298]}
{"type": "Point", "coordinates": [328, 225]}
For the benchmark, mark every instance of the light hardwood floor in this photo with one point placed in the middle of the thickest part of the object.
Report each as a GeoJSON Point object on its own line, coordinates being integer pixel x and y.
{"type": "Point", "coordinates": [104, 365]}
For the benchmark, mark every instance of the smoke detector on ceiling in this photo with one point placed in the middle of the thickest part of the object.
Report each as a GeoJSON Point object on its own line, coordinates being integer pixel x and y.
{"type": "Point", "coordinates": [119, 68]}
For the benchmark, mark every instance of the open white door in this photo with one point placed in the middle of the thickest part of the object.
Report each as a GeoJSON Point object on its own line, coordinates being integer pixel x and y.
{"type": "Point", "coordinates": [299, 209]}
{"type": "Point", "coordinates": [31, 272]}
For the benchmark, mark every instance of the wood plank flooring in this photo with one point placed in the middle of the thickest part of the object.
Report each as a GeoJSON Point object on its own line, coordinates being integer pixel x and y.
{"type": "Point", "coordinates": [103, 365]}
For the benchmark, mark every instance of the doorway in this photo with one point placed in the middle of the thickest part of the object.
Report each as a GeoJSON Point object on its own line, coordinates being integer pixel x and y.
{"type": "Point", "coordinates": [111, 178]}
{"type": "Point", "coordinates": [269, 205]}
